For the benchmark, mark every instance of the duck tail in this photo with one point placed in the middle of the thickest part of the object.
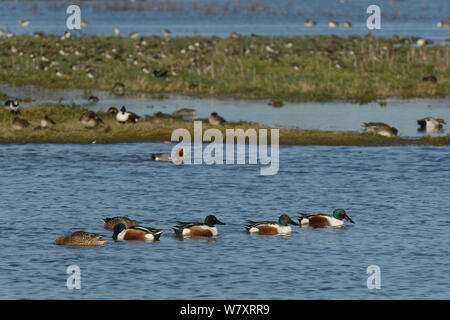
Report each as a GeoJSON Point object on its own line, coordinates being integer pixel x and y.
{"type": "Point", "coordinates": [157, 235]}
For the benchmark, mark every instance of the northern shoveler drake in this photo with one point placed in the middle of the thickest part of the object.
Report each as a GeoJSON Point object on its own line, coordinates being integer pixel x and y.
{"type": "Point", "coordinates": [430, 124]}
{"type": "Point", "coordinates": [12, 105]}
{"type": "Point", "coordinates": [90, 120]}
{"type": "Point", "coordinates": [198, 229]}
{"type": "Point", "coordinates": [126, 117]}
{"type": "Point", "coordinates": [325, 220]}
{"type": "Point", "coordinates": [271, 227]}
{"type": "Point", "coordinates": [347, 24]}
{"type": "Point", "coordinates": [19, 123]}
{"type": "Point", "coordinates": [184, 112]}
{"type": "Point", "coordinates": [118, 89]}
{"type": "Point", "coordinates": [215, 119]}
{"type": "Point", "coordinates": [443, 24]}
{"type": "Point", "coordinates": [81, 238]}
{"type": "Point", "coordinates": [121, 232]}
{"type": "Point", "coordinates": [109, 223]}
{"type": "Point", "coordinates": [168, 156]}
{"type": "Point", "coordinates": [380, 128]}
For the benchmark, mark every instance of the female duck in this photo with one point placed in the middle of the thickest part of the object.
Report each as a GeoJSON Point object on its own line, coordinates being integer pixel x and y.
{"type": "Point", "coordinates": [121, 232]}
{"type": "Point", "coordinates": [271, 227]}
{"type": "Point", "coordinates": [179, 157]}
{"type": "Point", "coordinates": [81, 238]}
{"type": "Point", "coordinates": [325, 220]}
{"type": "Point", "coordinates": [198, 229]}
{"type": "Point", "coordinates": [109, 223]}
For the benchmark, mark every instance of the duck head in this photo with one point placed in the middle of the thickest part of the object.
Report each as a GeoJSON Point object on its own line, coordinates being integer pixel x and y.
{"type": "Point", "coordinates": [212, 220]}
{"type": "Point", "coordinates": [441, 121]}
{"type": "Point", "coordinates": [341, 214]}
{"type": "Point", "coordinates": [123, 110]}
{"type": "Point", "coordinates": [284, 220]}
{"type": "Point", "coordinates": [118, 228]}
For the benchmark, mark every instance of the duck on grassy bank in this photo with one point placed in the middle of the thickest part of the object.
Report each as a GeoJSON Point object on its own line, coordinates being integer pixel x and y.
{"type": "Point", "coordinates": [380, 128]}
{"type": "Point", "coordinates": [89, 119]}
{"type": "Point", "coordinates": [19, 123]}
{"type": "Point", "coordinates": [123, 116]}
{"type": "Point", "coordinates": [216, 120]}
{"type": "Point", "coordinates": [12, 105]}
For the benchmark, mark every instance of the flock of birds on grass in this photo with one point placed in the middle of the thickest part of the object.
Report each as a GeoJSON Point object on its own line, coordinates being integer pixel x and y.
{"type": "Point", "coordinates": [89, 119]}
{"type": "Point", "coordinates": [127, 229]}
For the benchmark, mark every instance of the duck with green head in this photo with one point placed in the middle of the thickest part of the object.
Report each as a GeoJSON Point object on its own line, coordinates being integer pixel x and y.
{"type": "Point", "coordinates": [325, 220]}
{"type": "Point", "coordinates": [198, 229]}
{"type": "Point", "coordinates": [271, 227]}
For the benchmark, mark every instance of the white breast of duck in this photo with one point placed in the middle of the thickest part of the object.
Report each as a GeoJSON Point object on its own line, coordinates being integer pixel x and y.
{"type": "Point", "coordinates": [187, 231]}
{"type": "Point", "coordinates": [331, 220]}
{"type": "Point", "coordinates": [280, 229]}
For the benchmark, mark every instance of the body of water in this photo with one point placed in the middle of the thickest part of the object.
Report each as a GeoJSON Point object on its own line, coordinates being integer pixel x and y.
{"type": "Point", "coordinates": [333, 115]}
{"type": "Point", "coordinates": [220, 17]}
{"type": "Point", "coordinates": [398, 197]}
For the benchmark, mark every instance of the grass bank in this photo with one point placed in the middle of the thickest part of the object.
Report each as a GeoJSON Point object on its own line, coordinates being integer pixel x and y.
{"type": "Point", "coordinates": [316, 68]}
{"type": "Point", "coordinates": [68, 129]}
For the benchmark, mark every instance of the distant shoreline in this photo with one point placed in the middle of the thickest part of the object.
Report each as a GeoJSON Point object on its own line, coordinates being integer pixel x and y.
{"type": "Point", "coordinates": [68, 130]}
{"type": "Point", "coordinates": [313, 68]}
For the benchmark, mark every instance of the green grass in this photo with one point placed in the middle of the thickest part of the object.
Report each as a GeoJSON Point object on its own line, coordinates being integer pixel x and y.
{"type": "Point", "coordinates": [317, 68]}
{"type": "Point", "coordinates": [69, 130]}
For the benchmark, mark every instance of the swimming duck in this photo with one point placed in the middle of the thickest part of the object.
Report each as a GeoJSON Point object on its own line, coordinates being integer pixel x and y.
{"type": "Point", "coordinates": [126, 117]}
{"type": "Point", "coordinates": [47, 122]}
{"type": "Point", "coordinates": [184, 112]}
{"type": "Point", "coordinates": [309, 23]}
{"type": "Point", "coordinates": [168, 156]}
{"type": "Point", "coordinates": [347, 24]}
{"type": "Point", "coordinates": [380, 128]}
{"type": "Point", "coordinates": [12, 105]}
{"type": "Point", "coordinates": [109, 223]}
{"type": "Point", "coordinates": [215, 119]}
{"type": "Point", "coordinates": [121, 232]}
{"type": "Point", "coordinates": [443, 24]}
{"type": "Point", "coordinates": [271, 227]}
{"type": "Point", "coordinates": [24, 23]}
{"type": "Point", "coordinates": [333, 24]}
{"type": "Point", "coordinates": [325, 220]}
{"type": "Point", "coordinates": [197, 229]}
{"type": "Point", "coordinates": [118, 89]}
{"type": "Point", "coordinates": [81, 238]}
{"type": "Point", "coordinates": [19, 123]}
{"type": "Point", "coordinates": [90, 120]}
{"type": "Point", "coordinates": [430, 124]}
{"type": "Point", "coordinates": [93, 99]}
{"type": "Point", "coordinates": [116, 32]}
